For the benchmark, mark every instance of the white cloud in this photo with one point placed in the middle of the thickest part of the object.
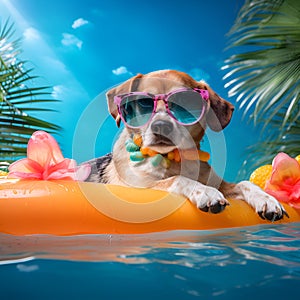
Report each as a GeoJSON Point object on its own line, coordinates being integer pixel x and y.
{"type": "Point", "coordinates": [199, 74]}
{"type": "Point", "coordinates": [79, 22]}
{"type": "Point", "coordinates": [55, 65]}
{"type": "Point", "coordinates": [31, 34]}
{"type": "Point", "coordinates": [121, 71]}
{"type": "Point", "coordinates": [64, 92]}
{"type": "Point", "coordinates": [71, 40]}
{"type": "Point", "coordinates": [58, 92]}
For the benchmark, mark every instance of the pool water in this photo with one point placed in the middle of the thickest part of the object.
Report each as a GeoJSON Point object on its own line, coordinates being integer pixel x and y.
{"type": "Point", "coordinates": [260, 262]}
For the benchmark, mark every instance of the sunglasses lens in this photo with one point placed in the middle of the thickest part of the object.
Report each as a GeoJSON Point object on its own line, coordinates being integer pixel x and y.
{"type": "Point", "coordinates": [136, 110]}
{"type": "Point", "coordinates": [187, 107]}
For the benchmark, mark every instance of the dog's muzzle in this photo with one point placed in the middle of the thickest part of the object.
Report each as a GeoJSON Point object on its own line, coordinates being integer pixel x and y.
{"type": "Point", "coordinates": [162, 131]}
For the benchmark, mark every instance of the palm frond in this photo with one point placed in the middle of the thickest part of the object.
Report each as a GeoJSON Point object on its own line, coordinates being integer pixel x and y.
{"type": "Point", "coordinates": [269, 75]}
{"type": "Point", "coordinates": [18, 99]}
{"type": "Point", "coordinates": [264, 75]}
{"type": "Point", "coordinates": [262, 153]}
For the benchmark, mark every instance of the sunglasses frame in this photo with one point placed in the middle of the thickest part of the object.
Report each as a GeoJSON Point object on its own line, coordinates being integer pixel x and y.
{"type": "Point", "coordinates": [164, 97]}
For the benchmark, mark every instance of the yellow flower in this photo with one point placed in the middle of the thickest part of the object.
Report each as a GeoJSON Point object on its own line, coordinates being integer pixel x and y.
{"type": "Point", "coordinates": [261, 175]}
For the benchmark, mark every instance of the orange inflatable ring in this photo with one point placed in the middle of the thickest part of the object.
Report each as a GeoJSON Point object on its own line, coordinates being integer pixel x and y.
{"type": "Point", "coordinates": [69, 208]}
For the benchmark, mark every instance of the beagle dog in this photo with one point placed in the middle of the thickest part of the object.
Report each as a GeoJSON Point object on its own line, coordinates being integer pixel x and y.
{"type": "Point", "coordinates": [165, 114]}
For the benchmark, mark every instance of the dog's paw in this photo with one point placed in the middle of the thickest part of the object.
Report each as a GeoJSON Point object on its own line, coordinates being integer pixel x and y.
{"type": "Point", "coordinates": [208, 199]}
{"type": "Point", "coordinates": [267, 207]}
{"type": "Point", "coordinates": [215, 208]}
{"type": "Point", "coordinates": [271, 210]}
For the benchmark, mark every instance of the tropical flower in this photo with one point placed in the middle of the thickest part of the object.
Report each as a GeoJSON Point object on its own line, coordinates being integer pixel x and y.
{"type": "Point", "coordinates": [45, 161]}
{"type": "Point", "coordinates": [284, 183]}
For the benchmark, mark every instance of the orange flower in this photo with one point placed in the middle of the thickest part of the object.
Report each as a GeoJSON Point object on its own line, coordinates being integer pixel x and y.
{"type": "Point", "coordinates": [284, 183]}
{"type": "Point", "coordinates": [45, 161]}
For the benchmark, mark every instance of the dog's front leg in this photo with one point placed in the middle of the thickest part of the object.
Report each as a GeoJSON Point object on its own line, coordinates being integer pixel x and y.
{"type": "Point", "coordinates": [206, 198]}
{"type": "Point", "coordinates": [264, 204]}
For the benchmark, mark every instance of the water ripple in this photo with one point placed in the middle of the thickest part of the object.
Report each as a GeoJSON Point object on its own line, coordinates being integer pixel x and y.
{"type": "Point", "coordinates": [269, 243]}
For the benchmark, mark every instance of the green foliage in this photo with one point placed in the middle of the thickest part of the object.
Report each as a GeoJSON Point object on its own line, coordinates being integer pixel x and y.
{"type": "Point", "coordinates": [18, 99]}
{"type": "Point", "coordinates": [264, 75]}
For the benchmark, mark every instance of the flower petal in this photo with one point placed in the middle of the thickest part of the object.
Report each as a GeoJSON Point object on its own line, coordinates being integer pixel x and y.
{"type": "Point", "coordinates": [283, 196]}
{"type": "Point", "coordinates": [66, 165]}
{"type": "Point", "coordinates": [67, 169]}
{"type": "Point", "coordinates": [284, 183]}
{"type": "Point", "coordinates": [285, 168]}
{"type": "Point", "coordinates": [22, 175]}
{"type": "Point", "coordinates": [83, 172]}
{"type": "Point", "coordinates": [295, 192]}
{"type": "Point", "coordinates": [60, 174]}
{"type": "Point", "coordinates": [25, 168]}
{"type": "Point", "coordinates": [43, 148]}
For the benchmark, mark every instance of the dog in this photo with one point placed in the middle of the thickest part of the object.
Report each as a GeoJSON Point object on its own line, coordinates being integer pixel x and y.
{"type": "Point", "coordinates": [169, 111]}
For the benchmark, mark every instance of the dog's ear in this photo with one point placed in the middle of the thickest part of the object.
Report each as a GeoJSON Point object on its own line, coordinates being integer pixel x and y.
{"type": "Point", "coordinates": [126, 87]}
{"type": "Point", "coordinates": [220, 112]}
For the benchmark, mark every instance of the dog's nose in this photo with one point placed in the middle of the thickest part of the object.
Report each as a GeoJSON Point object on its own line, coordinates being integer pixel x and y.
{"type": "Point", "coordinates": [163, 128]}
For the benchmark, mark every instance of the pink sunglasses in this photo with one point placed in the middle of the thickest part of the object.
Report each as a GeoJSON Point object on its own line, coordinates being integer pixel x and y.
{"type": "Point", "coordinates": [185, 106]}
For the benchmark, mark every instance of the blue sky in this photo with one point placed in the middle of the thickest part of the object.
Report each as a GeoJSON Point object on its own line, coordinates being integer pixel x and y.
{"type": "Point", "coordinates": [82, 48]}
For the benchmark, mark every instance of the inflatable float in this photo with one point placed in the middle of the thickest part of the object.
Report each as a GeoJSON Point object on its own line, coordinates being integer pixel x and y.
{"type": "Point", "coordinates": [45, 194]}
{"type": "Point", "coordinates": [68, 208]}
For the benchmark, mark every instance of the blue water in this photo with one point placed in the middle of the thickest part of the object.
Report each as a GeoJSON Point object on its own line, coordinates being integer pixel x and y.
{"type": "Point", "coordinates": [261, 262]}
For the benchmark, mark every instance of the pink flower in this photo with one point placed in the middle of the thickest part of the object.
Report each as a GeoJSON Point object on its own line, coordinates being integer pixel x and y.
{"type": "Point", "coordinates": [45, 161]}
{"type": "Point", "coordinates": [284, 183]}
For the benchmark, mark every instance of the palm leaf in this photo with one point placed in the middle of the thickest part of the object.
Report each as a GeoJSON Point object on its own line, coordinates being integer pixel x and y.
{"type": "Point", "coordinates": [263, 152]}
{"type": "Point", "coordinates": [264, 75]}
{"type": "Point", "coordinates": [18, 99]}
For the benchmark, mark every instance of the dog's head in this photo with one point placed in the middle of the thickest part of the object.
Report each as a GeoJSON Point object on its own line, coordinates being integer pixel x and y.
{"type": "Point", "coordinates": [163, 133]}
